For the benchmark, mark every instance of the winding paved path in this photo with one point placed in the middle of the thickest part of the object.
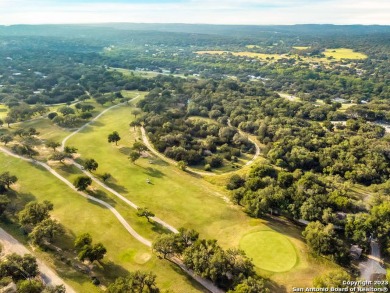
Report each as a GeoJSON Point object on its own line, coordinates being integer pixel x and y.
{"type": "Point", "coordinates": [11, 245]}
{"type": "Point", "coordinates": [151, 148]}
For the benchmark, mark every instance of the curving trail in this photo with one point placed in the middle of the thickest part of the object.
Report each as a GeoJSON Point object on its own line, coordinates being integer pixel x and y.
{"type": "Point", "coordinates": [204, 282]}
{"type": "Point", "coordinates": [94, 119]}
{"type": "Point", "coordinates": [70, 185]}
{"type": "Point", "coordinates": [11, 245]}
{"type": "Point", "coordinates": [151, 148]}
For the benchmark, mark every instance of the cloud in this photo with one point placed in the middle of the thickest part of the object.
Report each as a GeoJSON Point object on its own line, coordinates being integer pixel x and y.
{"type": "Point", "coordinates": [197, 11]}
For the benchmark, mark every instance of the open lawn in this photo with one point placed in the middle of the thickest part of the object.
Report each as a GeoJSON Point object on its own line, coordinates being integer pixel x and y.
{"type": "Point", "coordinates": [79, 215]}
{"type": "Point", "coordinates": [270, 251]}
{"type": "Point", "coordinates": [301, 48]}
{"type": "Point", "coordinates": [3, 111]}
{"type": "Point", "coordinates": [176, 196]}
{"type": "Point", "coordinates": [147, 74]}
{"type": "Point", "coordinates": [344, 53]}
{"type": "Point", "coordinates": [252, 46]}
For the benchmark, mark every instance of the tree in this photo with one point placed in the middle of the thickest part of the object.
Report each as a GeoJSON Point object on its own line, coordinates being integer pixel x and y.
{"type": "Point", "coordinates": [82, 182]}
{"type": "Point", "coordinates": [83, 240]}
{"type": "Point", "coordinates": [4, 202]}
{"type": "Point", "coordinates": [144, 212]}
{"type": "Point", "coordinates": [182, 165]}
{"type": "Point", "coordinates": [65, 110]}
{"type": "Point", "coordinates": [135, 282]}
{"type": "Point", "coordinates": [59, 156]}
{"type": "Point", "coordinates": [54, 289]}
{"type": "Point", "coordinates": [52, 144]}
{"type": "Point", "coordinates": [250, 285]}
{"type": "Point", "coordinates": [90, 165]}
{"type": "Point", "coordinates": [114, 137]}
{"type": "Point", "coordinates": [6, 138]}
{"type": "Point", "coordinates": [6, 179]}
{"type": "Point", "coordinates": [139, 147]}
{"type": "Point", "coordinates": [133, 156]}
{"type": "Point", "coordinates": [34, 213]}
{"type": "Point", "coordinates": [9, 120]}
{"type": "Point", "coordinates": [106, 176]}
{"type": "Point", "coordinates": [30, 286]}
{"type": "Point", "coordinates": [165, 245]}
{"type": "Point", "coordinates": [52, 115]}
{"type": "Point", "coordinates": [70, 150]}
{"type": "Point", "coordinates": [92, 253]}
{"type": "Point", "coordinates": [19, 267]}
{"type": "Point", "coordinates": [1, 123]}
{"type": "Point", "coordinates": [235, 182]}
{"type": "Point", "coordinates": [46, 231]}
{"type": "Point", "coordinates": [136, 112]}
{"type": "Point", "coordinates": [333, 279]}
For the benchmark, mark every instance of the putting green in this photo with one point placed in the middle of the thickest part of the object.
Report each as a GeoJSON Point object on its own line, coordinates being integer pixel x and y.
{"type": "Point", "coordinates": [269, 250]}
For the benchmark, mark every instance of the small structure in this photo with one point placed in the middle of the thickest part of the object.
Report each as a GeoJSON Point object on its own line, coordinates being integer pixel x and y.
{"type": "Point", "coordinates": [355, 251]}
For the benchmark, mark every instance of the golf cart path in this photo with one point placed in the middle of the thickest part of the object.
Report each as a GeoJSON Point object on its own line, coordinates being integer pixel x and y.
{"type": "Point", "coordinates": [151, 148]}
{"type": "Point", "coordinates": [205, 283]}
{"type": "Point", "coordinates": [11, 245]}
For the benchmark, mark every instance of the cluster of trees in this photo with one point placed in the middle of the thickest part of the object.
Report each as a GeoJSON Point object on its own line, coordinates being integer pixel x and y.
{"type": "Point", "coordinates": [24, 272]}
{"type": "Point", "coordinates": [135, 282]}
{"type": "Point", "coordinates": [21, 112]}
{"type": "Point", "coordinates": [228, 269]}
{"type": "Point", "coordinates": [36, 222]}
{"type": "Point", "coordinates": [87, 251]}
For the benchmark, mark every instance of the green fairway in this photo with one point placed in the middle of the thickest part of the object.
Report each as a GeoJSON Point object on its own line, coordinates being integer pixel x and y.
{"type": "Point", "coordinates": [344, 53]}
{"type": "Point", "coordinates": [179, 198]}
{"type": "Point", "coordinates": [79, 215]}
{"type": "Point", "coordinates": [270, 251]}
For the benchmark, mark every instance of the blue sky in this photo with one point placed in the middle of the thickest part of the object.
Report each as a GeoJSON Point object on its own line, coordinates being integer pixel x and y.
{"type": "Point", "coordinates": [196, 11]}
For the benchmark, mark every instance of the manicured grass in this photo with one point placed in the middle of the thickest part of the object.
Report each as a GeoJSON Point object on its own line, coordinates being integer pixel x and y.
{"type": "Point", "coordinates": [79, 215]}
{"type": "Point", "coordinates": [147, 74]}
{"type": "Point", "coordinates": [3, 111]}
{"type": "Point", "coordinates": [179, 198]}
{"type": "Point", "coordinates": [270, 251]}
{"type": "Point", "coordinates": [344, 53]}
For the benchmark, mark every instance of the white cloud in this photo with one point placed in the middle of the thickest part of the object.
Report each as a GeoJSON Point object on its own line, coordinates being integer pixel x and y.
{"type": "Point", "coordinates": [200, 11]}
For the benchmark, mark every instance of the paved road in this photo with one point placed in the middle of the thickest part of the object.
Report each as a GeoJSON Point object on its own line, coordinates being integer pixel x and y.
{"type": "Point", "coordinates": [11, 245]}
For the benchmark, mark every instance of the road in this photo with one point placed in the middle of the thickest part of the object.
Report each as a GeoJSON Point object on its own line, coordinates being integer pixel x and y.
{"type": "Point", "coordinates": [373, 264]}
{"type": "Point", "coordinates": [11, 245]}
{"type": "Point", "coordinates": [204, 282]}
{"type": "Point", "coordinates": [94, 119]}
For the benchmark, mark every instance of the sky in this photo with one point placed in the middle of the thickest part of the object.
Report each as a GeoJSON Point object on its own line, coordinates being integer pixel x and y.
{"type": "Point", "coordinates": [196, 11]}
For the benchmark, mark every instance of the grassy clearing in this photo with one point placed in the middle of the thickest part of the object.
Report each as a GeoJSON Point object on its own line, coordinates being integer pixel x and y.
{"type": "Point", "coordinates": [301, 47]}
{"type": "Point", "coordinates": [270, 251]}
{"type": "Point", "coordinates": [147, 74]}
{"type": "Point", "coordinates": [79, 215]}
{"type": "Point", "coordinates": [344, 53]}
{"type": "Point", "coordinates": [177, 197]}
{"type": "Point", "coordinates": [252, 46]}
{"type": "Point", "coordinates": [244, 54]}
{"type": "Point", "coordinates": [3, 111]}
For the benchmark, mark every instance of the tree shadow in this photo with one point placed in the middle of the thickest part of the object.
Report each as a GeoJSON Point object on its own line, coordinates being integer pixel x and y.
{"type": "Point", "coordinates": [116, 187]}
{"type": "Point", "coordinates": [112, 271]}
{"type": "Point", "coordinates": [70, 169]}
{"type": "Point", "coordinates": [153, 172]}
{"type": "Point", "coordinates": [125, 150]}
{"type": "Point", "coordinates": [158, 228]}
{"type": "Point", "coordinates": [274, 287]}
{"type": "Point", "coordinates": [158, 162]}
{"type": "Point", "coordinates": [98, 194]}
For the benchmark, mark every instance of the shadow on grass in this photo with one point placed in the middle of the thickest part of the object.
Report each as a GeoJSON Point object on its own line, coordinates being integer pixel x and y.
{"type": "Point", "coordinates": [116, 187]}
{"type": "Point", "coordinates": [102, 196]}
{"type": "Point", "coordinates": [274, 287]}
{"type": "Point", "coordinates": [125, 150]}
{"type": "Point", "coordinates": [158, 162]}
{"type": "Point", "coordinates": [284, 226]}
{"type": "Point", "coordinates": [153, 172]}
{"type": "Point", "coordinates": [158, 228]}
{"type": "Point", "coordinates": [70, 169]}
{"type": "Point", "coordinates": [112, 271]}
